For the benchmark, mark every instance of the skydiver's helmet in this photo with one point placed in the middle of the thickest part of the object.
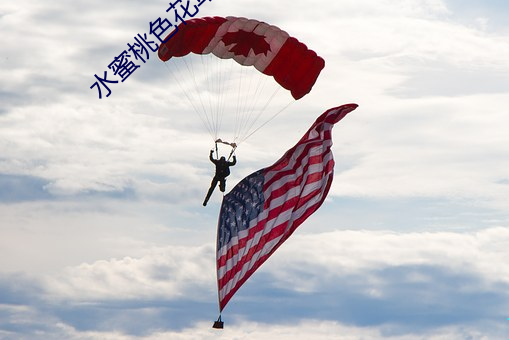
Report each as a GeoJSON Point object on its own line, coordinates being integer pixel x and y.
{"type": "Point", "coordinates": [222, 159]}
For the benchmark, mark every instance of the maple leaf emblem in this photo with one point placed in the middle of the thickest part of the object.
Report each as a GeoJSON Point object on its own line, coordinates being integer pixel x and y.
{"type": "Point", "coordinates": [244, 42]}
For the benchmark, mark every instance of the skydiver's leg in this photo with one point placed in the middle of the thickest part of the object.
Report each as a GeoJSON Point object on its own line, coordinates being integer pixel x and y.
{"type": "Point", "coordinates": [222, 184]}
{"type": "Point", "coordinates": [211, 189]}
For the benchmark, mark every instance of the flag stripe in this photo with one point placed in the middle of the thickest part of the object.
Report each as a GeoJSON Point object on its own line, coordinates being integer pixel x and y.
{"type": "Point", "coordinates": [293, 161]}
{"type": "Point", "coordinates": [228, 291]}
{"type": "Point", "coordinates": [275, 201]}
{"type": "Point", "coordinates": [267, 237]}
{"type": "Point", "coordinates": [274, 232]}
{"type": "Point", "coordinates": [294, 180]}
{"type": "Point", "coordinates": [274, 212]}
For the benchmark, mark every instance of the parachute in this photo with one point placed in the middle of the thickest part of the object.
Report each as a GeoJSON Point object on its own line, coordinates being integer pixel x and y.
{"type": "Point", "coordinates": [201, 48]}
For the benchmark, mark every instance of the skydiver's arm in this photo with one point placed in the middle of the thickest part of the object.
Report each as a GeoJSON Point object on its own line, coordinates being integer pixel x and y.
{"type": "Point", "coordinates": [234, 161]}
{"type": "Point", "coordinates": [210, 156]}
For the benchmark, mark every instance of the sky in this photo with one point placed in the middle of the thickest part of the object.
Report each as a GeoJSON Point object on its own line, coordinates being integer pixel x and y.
{"type": "Point", "coordinates": [102, 231]}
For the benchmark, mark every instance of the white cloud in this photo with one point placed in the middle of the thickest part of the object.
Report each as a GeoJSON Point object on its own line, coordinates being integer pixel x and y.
{"type": "Point", "coordinates": [118, 181]}
{"type": "Point", "coordinates": [445, 147]}
{"type": "Point", "coordinates": [308, 263]}
{"type": "Point", "coordinates": [44, 237]}
{"type": "Point", "coordinates": [439, 274]}
{"type": "Point", "coordinates": [308, 329]}
{"type": "Point", "coordinates": [167, 273]}
{"type": "Point", "coordinates": [339, 253]}
{"type": "Point", "coordinates": [418, 147]}
{"type": "Point", "coordinates": [317, 329]}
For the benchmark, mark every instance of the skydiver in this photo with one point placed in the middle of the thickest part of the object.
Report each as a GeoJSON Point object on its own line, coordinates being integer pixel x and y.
{"type": "Point", "coordinates": [222, 171]}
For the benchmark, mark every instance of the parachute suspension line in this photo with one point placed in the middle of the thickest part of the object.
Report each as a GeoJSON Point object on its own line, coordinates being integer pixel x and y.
{"type": "Point", "coordinates": [239, 96]}
{"type": "Point", "coordinates": [221, 88]}
{"type": "Point", "coordinates": [249, 116]}
{"type": "Point", "coordinates": [216, 71]}
{"type": "Point", "coordinates": [250, 101]}
{"type": "Point", "coordinates": [268, 121]}
{"type": "Point", "coordinates": [251, 86]}
{"type": "Point", "coordinates": [226, 86]}
{"type": "Point", "coordinates": [248, 133]}
{"type": "Point", "coordinates": [201, 92]}
{"type": "Point", "coordinates": [241, 99]}
{"type": "Point", "coordinates": [210, 113]}
{"type": "Point", "coordinates": [205, 111]}
{"type": "Point", "coordinates": [251, 129]}
{"type": "Point", "coordinates": [260, 112]}
{"type": "Point", "coordinates": [211, 85]}
{"type": "Point", "coordinates": [234, 147]}
{"type": "Point", "coordinates": [214, 91]}
{"type": "Point", "coordinates": [244, 113]}
{"type": "Point", "coordinates": [223, 68]}
{"type": "Point", "coordinates": [189, 99]}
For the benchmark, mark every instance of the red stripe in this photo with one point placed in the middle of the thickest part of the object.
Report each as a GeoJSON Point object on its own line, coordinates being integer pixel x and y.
{"type": "Point", "coordinates": [313, 159]}
{"type": "Point", "coordinates": [285, 229]}
{"type": "Point", "coordinates": [240, 282]}
{"type": "Point", "coordinates": [324, 134]}
{"type": "Point", "coordinates": [226, 298]}
{"type": "Point", "coordinates": [246, 258]}
{"type": "Point", "coordinates": [273, 213]}
{"type": "Point", "coordinates": [260, 226]}
{"type": "Point", "coordinates": [275, 232]}
{"type": "Point", "coordinates": [242, 242]}
{"type": "Point", "coordinates": [297, 182]}
{"type": "Point", "coordinates": [277, 168]}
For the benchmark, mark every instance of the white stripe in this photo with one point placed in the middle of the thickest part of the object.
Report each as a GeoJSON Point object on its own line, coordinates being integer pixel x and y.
{"type": "Point", "coordinates": [324, 144]}
{"type": "Point", "coordinates": [315, 168]}
{"type": "Point", "coordinates": [247, 266]}
{"type": "Point", "coordinates": [269, 176]}
{"type": "Point", "coordinates": [279, 219]}
{"type": "Point", "coordinates": [234, 240]}
{"type": "Point", "coordinates": [265, 250]}
{"type": "Point", "coordinates": [242, 252]}
{"type": "Point", "coordinates": [288, 215]}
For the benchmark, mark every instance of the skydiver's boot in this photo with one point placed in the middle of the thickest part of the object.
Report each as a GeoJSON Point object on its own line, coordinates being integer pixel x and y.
{"type": "Point", "coordinates": [209, 193]}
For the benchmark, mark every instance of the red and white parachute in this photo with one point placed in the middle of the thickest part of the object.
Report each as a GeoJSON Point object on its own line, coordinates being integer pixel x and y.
{"type": "Point", "coordinates": [218, 89]}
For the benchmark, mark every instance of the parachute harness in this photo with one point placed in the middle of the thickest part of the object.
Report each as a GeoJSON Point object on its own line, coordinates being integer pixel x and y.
{"type": "Point", "coordinates": [233, 145]}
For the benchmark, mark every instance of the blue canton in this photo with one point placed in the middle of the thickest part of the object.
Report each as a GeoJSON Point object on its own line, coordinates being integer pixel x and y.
{"type": "Point", "coordinates": [242, 204]}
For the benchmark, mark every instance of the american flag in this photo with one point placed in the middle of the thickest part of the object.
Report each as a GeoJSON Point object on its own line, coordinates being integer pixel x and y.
{"type": "Point", "coordinates": [266, 207]}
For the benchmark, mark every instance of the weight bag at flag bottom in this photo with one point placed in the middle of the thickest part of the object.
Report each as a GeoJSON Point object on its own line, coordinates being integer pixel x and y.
{"type": "Point", "coordinates": [266, 207]}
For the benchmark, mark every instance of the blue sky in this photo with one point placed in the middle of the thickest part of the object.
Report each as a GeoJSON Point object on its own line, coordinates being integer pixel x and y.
{"type": "Point", "coordinates": [102, 232]}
